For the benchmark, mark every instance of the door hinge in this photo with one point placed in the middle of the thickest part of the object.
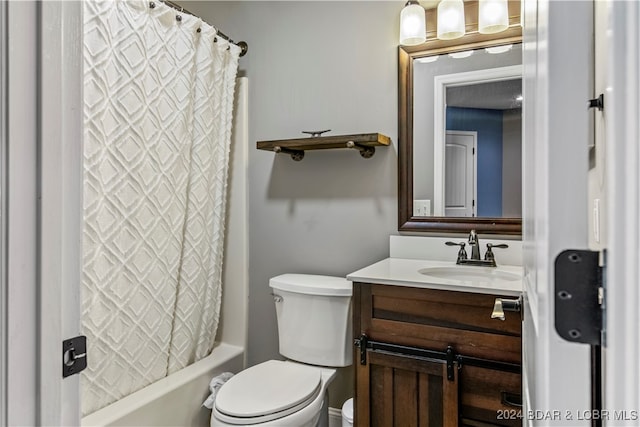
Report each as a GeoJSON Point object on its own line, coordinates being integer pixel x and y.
{"type": "Point", "coordinates": [74, 355]}
{"type": "Point", "coordinates": [597, 102]}
{"type": "Point", "coordinates": [579, 296]}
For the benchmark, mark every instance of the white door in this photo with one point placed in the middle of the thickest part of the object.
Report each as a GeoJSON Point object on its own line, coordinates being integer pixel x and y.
{"type": "Point", "coordinates": [557, 85]}
{"type": "Point", "coordinates": [19, 215]}
{"type": "Point", "coordinates": [61, 127]}
{"type": "Point", "coordinates": [460, 174]}
{"type": "Point", "coordinates": [622, 184]}
{"type": "Point", "coordinates": [43, 208]}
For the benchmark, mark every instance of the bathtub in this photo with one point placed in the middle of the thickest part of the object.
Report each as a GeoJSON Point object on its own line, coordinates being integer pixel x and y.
{"type": "Point", "coordinates": [175, 400]}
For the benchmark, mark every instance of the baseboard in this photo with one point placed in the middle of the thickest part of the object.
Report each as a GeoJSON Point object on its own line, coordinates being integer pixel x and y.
{"type": "Point", "coordinates": [335, 417]}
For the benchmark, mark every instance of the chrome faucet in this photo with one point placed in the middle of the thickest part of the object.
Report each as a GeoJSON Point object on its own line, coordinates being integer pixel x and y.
{"type": "Point", "coordinates": [474, 242]}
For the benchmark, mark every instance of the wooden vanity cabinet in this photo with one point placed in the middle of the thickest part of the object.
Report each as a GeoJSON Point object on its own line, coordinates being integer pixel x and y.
{"type": "Point", "coordinates": [403, 373]}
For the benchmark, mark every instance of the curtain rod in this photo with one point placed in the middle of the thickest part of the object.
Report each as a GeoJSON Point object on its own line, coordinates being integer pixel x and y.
{"type": "Point", "coordinates": [244, 47]}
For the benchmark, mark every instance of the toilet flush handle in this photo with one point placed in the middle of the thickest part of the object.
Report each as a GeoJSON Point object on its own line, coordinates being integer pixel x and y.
{"type": "Point", "coordinates": [276, 297]}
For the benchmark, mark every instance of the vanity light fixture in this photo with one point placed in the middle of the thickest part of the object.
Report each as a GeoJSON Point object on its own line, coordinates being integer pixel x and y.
{"type": "Point", "coordinates": [493, 16]}
{"type": "Point", "coordinates": [450, 19]}
{"type": "Point", "coordinates": [413, 27]}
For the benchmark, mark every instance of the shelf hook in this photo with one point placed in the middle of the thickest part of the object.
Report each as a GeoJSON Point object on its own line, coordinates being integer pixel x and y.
{"type": "Point", "coordinates": [316, 133]}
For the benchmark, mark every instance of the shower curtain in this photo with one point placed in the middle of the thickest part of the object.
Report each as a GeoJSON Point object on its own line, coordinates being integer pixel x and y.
{"type": "Point", "coordinates": [158, 97]}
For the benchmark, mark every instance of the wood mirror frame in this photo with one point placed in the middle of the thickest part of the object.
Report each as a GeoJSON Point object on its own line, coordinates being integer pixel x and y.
{"type": "Point", "coordinates": [406, 55]}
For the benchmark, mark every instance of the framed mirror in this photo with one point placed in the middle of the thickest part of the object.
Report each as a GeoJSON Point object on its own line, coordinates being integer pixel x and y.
{"type": "Point", "coordinates": [459, 116]}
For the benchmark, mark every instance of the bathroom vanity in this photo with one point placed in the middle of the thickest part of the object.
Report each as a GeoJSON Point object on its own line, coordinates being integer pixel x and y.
{"type": "Point", "coordinates": [428, 353]}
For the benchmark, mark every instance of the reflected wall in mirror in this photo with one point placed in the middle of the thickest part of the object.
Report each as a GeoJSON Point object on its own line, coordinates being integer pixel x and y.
{"type": "Point", "coordinates": [460, 136]}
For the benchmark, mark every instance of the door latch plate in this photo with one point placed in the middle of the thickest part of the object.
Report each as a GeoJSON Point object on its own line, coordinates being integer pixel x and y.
{"type": "Point", "coordinates": [74, 355]}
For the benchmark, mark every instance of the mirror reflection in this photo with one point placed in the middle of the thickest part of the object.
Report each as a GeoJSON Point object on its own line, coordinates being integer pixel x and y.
{"type": "Point", "coordinates": [467, 134]}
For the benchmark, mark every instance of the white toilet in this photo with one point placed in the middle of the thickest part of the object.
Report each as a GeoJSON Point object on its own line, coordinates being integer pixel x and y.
{"type": "Point", "coordinates": [314, 329]}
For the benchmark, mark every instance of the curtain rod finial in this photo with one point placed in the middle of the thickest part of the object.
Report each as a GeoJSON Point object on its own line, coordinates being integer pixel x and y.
{"type": "Point", "coordinates": [244, 47]}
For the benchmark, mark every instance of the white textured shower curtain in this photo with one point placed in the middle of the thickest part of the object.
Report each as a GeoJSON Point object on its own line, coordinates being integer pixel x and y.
{"type": "Point", "coordinates": [158, 97]}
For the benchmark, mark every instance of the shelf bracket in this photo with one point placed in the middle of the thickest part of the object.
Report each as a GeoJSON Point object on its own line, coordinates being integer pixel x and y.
{"type": "Point", "coordinates": [366, 152]}
{"type": "Point", "coordinates": [296, 155]}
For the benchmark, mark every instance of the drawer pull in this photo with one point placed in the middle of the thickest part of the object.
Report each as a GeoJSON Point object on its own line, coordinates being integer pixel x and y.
{"type": "Point", "coordinates": [511, 399]}
{"type": "Point", "coordinates": [503, 304]}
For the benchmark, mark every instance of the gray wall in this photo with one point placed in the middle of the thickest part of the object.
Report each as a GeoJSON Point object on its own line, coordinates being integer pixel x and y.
{"type": "Point", "coordinates": [314, 65]}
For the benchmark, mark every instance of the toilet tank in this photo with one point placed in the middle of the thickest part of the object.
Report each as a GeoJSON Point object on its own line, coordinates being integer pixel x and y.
{"type": "Point", "coordinates": [314, 318]}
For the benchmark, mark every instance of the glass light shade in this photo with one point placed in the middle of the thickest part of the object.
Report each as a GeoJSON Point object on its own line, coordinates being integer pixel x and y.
{"type": "Point", "coordinates": [498, 49]}
{"type": "Point", "coordinates": [493, 16]}
{"type": "Point", "coordinates": [428, 59]}
{"type": "Point", "coordinates": [460, 55]}
{"type": "Point", "coordinates": [450, 19]}
{"type": "Point", "coordinates": [413, 27]}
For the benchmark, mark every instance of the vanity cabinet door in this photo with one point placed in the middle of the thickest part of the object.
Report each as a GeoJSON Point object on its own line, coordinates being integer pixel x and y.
{"type": "Point", "coordinates": [396, 389]}
{"type": "Point", "coordinates": [393, 389]}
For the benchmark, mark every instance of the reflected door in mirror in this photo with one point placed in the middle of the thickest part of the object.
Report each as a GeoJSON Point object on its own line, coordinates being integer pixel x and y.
{"type": "Point", "coordinates": [460, 174]}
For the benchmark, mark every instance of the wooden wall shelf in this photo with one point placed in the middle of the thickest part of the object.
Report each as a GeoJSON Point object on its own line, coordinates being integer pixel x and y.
{"type": "Point", "coordinates": [365, 143]}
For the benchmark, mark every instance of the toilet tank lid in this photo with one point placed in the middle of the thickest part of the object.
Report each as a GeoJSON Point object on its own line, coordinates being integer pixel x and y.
{"type": "Point", "coordinates": [312, 284]}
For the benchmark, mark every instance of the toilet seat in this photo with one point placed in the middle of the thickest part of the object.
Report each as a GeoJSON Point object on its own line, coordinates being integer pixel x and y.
{"type": "Point", "coordinates": [266, 392]}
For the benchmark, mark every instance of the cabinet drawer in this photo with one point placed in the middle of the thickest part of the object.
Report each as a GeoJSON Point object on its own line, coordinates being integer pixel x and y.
{"type": "Point", "coordinates": [489, 397]}
{"type": "Point", "coordinates": [435, 319]}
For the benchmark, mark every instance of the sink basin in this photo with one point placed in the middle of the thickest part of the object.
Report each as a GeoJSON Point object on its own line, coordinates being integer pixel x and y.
{"type": "Point", "coordinates": [470, 274]}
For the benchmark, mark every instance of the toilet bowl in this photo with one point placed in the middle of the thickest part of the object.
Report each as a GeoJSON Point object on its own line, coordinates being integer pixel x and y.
{"type": "Point", "coordinates": [314, 334]}
{"type": "Point", "coordinates": [273, 393]}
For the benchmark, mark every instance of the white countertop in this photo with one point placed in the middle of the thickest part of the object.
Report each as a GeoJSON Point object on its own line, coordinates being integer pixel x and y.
{"type": "Point", "coordinates": [405, 272]}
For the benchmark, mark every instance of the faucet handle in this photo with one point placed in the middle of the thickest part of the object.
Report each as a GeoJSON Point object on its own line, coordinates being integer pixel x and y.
{"type": "Point", "coordinates": [462, 254]}
{"type": "Point", "coordinates": [488, 255]}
